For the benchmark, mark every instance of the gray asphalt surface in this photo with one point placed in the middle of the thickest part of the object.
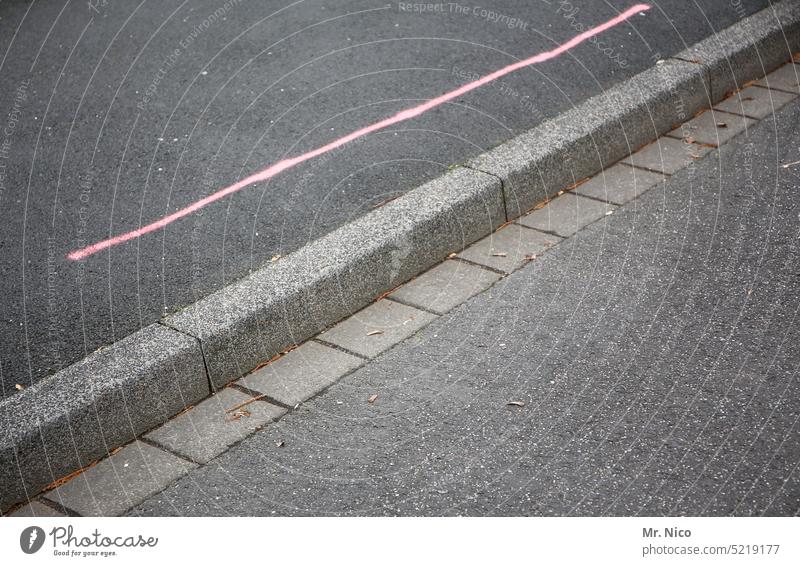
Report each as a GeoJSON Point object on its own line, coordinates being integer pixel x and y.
{"type": "Point", "coordinates": [656, 353]}
{"type": "Point", "coordinates": [125, 112]}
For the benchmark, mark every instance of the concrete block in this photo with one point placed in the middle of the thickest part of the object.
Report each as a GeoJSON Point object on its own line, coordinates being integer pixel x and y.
{"type": "Point", "coordinates": [619, 184]}
{"type": "Point", "coordinates": [302, 373]}
{"type": "Point", "coordinates": [509, 248]}
{"type": "Point", "coordinates": [208, 429]}
{"type": "Point", "coordinates": [121, 481]}
{"type": "Point", "coordinates": [445, 286]}
{"type": "Point", "coordinates": [667, 155]}
{"type": "Point", "coordinates": [755, 102]}
{"type": "Point", "coordinates": [712, 128]}
{"type": "Point", "coordinates": [377, 328]}
{"type": "Point", "coordinates": [783, 78]}
{"type": "Point", "coordinates": [566, 214]}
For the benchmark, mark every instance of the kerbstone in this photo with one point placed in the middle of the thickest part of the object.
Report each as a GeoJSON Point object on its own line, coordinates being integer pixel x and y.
{"type": "Point", "coordinates": [713, 128]}
{"type": "Point", "coordinates": [377, 328]}
{"type": "Point", "coordinates": [619, 184]}
{"type": "Point", "coordinates": [668, 155]}
{"type": "Point", "coordinates": [755, 102]}
{"type": "Point", "coordinates": [293, 299]}
{"type": "Point", "coordinates": [509, 248]}
{"type": "Point", "coordinates": [750, 48]}
{"type": "Point", "coordinates": [302, 373]}
{"type": "Point", "coordinates": [207, 430]}
{"type": "Point", "coordinates": [783, 78]}
{"type": "Point", "coordinates": [115, 394]}
{"type": "Point", "coordinates": [567, 214]}
{"type": "Point", "coordinates": [446, 286]}
{"type": "Point", "coordinates": [121, 481]}
{"type": "Point", "coordinates": [595, 134]}
{"type": "Point", "coordinates": [36, 509]}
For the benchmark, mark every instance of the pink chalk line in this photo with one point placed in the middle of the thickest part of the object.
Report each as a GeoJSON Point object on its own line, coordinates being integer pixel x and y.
{"type": "Point", "coordinates": [402, 116]}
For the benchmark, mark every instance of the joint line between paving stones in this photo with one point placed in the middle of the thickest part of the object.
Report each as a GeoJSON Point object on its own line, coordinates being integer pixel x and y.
{"type": "Point", "coordinates": [475, 264]}
{"type": "Point", "coordinates": [746, 116]}
{"type": "Point", "coordinates": [560, 237]}
{"type": "Point", "coordinates": [767, 88]}
{"type": "Point", "coordinates": [156, 444]}
{"type": "Point", "coordinates": [542, 231]}
{"type": "Point", "coordinates": [256, 396]}
{"type": "Point", "coordinates": [412, 305]}
{"type": "Point", "coordinates": [643, 168]}
{"type": "Point", "coordinates": [56, 506]}
{"type": "Point", "coordinates": [598, 199]}
{"type": "Point", "coordinates": [337, 347]}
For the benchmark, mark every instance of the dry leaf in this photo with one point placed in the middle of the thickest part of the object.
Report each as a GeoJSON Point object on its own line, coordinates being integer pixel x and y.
{"type": "Point", "coordinates": [372, 398]}
{"type": "Point", "coordinates": [515, 404]}
{"type": "Point", "coordinates": [452, 255]}
{"type": "Point", "coordinates": [19, 387]}
{"type": "Point", "coordinates": [238, 414]}
{"type": "Point", "coordinates": [275, 258]}
{"type": "Point", "coordinates": [374, 332]}
{"type": "Point", "coordinates": [530, 257]}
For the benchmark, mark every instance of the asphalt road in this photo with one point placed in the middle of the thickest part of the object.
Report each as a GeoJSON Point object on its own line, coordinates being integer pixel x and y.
{"type": "Point", "coordinates": [117, 113]}
{"type": "Point", "coordinates": [656, 353]}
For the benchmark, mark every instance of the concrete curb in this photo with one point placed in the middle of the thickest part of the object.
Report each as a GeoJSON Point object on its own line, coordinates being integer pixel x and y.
{"type": "Point", "coordinates": [116, 394]}
{"type": "Point", "coordinates": [750, 48]}
{"type": "Point", "coordinates": [70, 420]}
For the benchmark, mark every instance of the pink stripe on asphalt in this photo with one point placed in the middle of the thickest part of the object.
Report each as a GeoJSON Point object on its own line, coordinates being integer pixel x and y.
{"type": "Point", "coordinates": [402, 116]}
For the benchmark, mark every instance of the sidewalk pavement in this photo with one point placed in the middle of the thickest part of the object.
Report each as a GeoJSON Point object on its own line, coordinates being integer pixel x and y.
{"type": "Point", "coordinates": [646, 365]}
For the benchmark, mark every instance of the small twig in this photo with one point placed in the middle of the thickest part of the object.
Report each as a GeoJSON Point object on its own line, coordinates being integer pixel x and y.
{"type": "Point", "coordinates": [244, 403]}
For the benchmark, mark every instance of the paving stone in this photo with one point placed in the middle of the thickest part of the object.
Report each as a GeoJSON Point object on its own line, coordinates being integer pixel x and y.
{"type": "Point", "coordinates": [668, 155]}
{"type": "Point", "coordinates": [509, 248]}
{"type": "Point", "coordinates": [783, 78]}
{"type": "Point", "coordinates": [713, 128]}
{"type": "Point", "coordinates": [377, 328]}
{"type": "Point", "coordinates": [566, 214]}
{"type": "Point", "coordinates": [446, 286]}
{"type": "Point", "coordinates": [36, 509]}
{"type": "Point", "coordinates": [619, 184]}
{"type": "Point", "coordinates": [121, 481]}
{"type": "Point", "coordinates": [755, 102]}
{"type": "Point", "coordinates": [302, 373]}
{"type": "Point", "coordinates": [208, 429]}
